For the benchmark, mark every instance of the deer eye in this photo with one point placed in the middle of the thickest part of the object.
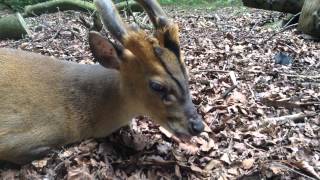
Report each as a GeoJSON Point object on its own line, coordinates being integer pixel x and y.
{"type": "Point", "coordinates": [157, 87]}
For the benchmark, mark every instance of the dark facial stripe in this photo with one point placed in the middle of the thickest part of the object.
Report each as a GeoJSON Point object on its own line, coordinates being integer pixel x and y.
{"type": "Point", "coordinates": [175, 48]}
{"type": "Point", "coordinates": [171, 45]}
{"type": "Point", "coordinates": [172, 77]}
{"type": "Point", "coordinates": [158, 52]}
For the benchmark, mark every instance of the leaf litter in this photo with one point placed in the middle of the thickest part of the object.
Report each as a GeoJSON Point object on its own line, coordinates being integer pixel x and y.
{"type": "Point", "coordinates": [262, 118]}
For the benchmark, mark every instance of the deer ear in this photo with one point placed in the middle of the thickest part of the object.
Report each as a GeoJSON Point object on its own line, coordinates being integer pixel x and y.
{"type": "Point", "coordinates": [103, 51]}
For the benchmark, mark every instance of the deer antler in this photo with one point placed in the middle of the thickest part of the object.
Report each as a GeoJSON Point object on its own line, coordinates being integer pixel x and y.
{"type": "Point", "coordinates": [111, 18]}
{"type": "Point", "coordinates": [155, 12]}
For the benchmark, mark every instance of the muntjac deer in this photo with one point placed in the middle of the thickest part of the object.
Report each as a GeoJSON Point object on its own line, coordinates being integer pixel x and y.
{"type": "Point", "coordinates": [46, 103]}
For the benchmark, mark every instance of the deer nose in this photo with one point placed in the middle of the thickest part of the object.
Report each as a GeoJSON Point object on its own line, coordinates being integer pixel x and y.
{"type": "Point", "coordinates": [196, 127]}
{"type": "Point", "coordinates": [194, 120]}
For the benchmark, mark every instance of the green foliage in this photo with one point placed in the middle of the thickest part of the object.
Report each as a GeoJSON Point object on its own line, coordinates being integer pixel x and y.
{"type": "Point", "coordinates": [202, 3]}
{"type": "Point", "coordinates": [19, 4]}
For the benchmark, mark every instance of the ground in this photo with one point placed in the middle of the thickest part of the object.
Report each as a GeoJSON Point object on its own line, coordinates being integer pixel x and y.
{"type": "Point", "coordinates": [261, 112]}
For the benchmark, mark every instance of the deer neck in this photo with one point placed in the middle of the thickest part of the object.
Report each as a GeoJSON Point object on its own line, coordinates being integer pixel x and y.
{"type": "Point", "coordinates": [105, 103]}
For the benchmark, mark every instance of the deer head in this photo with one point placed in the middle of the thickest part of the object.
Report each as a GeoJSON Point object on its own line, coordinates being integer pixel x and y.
{"type": "Point", "coordinates": [152, 70]}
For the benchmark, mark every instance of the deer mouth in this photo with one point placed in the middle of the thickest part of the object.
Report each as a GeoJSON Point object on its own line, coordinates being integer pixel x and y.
{"type": "Point", "coordinates": [179, 128]}
{"type": "Point", "coordinates": [185, 129]}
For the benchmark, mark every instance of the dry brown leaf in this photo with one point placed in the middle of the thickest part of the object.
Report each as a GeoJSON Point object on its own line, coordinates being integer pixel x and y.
{"type": "Point", "coordinates": [237, 97]}
{"type": "Point", "coordinates": [247, 163]}
{"type": "Point", "coordinates": [213, 164]}
{"type": "Point", "coordinates": [179, 156]}
{"type": "Point", "coordinates": [196, 168]}
{"type": "Point", "coordinates": [225, 158]}
{"type": "Point", "coordinates": [233, 171]}
{"type": "Point", "coordinates": [165, 132]}
{"type": "Point", "coordinates": [164, 147]}
{"type": "Point", "coordinates": [40, 163]}
{"type": "Point", "coordinates": [9, 174]}
{"type": "Point", "coordinates": [230, 41]}
{"type": "Point", "coordinates": [305, 166]}
{"type": "Point", "coordinates": [207, 146]}
{"type": "Point", "coordinates": [276, 169]}
{"type": "Point", "coordinates": [240, 147]}
{"type": "Point", "coordinates": [189, 148]}
{"type": "Point", "coordinates": [207, 128]}
{"type": "Point", "coordinates": [177, 171]}
{"type": "Point", "coordinates": [138, 176]}
{"type": "Point", "coordinates": [79, 173]}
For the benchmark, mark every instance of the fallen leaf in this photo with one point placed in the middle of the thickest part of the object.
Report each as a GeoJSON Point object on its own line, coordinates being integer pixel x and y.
{"type": "Point", "coordinates": [247, 163]}
{"type": "Point", "coordinates": [213, 164]}
{"type": "Point", "coordinates": [196, 168]}
{"type": "Point", "coordinates": [225, 158]}
{"type": "Point", "coordinates": [189, 148]}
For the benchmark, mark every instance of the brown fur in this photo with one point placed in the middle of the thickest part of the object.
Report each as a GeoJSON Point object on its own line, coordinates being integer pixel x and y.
{"type": "Point", "coordinates": [46, 103]}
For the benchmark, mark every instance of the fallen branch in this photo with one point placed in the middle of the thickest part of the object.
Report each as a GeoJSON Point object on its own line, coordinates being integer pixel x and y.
{"type": "Point", "coordinates": [293, 117]}
{"type": "Point", "coordinates": [209, 70]}
{"type": "Point", "coordinates": [251, 146]}
{"type": "Point", "coordinates": [286, 6]}
{"type": "Point", "coordinates": [286, 103]}
{"type": "Point", "coordinates": [235, 83]}
{"type": "Point", "coordinates": [301, 76]}
{"type": "Point", "coordinates": [63, 5]}
{"type": "Point", "coordinates": [13, 27]}
{"type": "Point", "coordinates": [225, 94]}
{"type": "Point", "coordinates": [309, 21]}
{"type": "Point", "coordinates": [232, 75]}
{"type": "Point", "coordinates": [291, 19]}
{"type": "Point", "coordinates": [156, 162]}
{"type": "Point", "coordinates": [127, 163]}
{"type": "Point", "coordinates": [281, 31]}
{"type": "Point", "coordinates": [281, 165]}
{"type": "Point", "coordinates": [169, 135]}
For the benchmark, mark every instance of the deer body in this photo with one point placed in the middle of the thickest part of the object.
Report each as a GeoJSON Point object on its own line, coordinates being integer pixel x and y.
{"type": "Point", "coordinates": [46, 103]}
{"type": "Point", "coordinates": [69, 107]}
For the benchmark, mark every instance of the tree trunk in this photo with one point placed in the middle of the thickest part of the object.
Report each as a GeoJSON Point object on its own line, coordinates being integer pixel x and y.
{"type": "Point", "coordinates": [309, 22]}
{"type": "Point", "coordinates": [4, 9]}
{"type": "Point", "coordinates": [62, 5]}
{"type": "Point", "coordinates": [13, 27]}
{"type": "Point", "coordinates": [286, 6]}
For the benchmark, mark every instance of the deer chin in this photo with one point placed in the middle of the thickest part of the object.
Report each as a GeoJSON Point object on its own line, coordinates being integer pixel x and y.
{"type": "Point", "coordinates": [174, 127]}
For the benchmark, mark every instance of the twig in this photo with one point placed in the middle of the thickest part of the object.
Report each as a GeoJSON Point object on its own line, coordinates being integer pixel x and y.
{"type": "Point", "coordinates": [56, 34]}
{"type": "Point", "coordinates": [292, 170]}
{"type": "Point", "coordinates": [249, 145]}
{"type": "Point", "coordinates": [169, 135]}
{"type": "Point", "coordinates": [233, 77]}
{"type": "Point", "coordinates": [292, 18]}
{"type": "Point", "coordinates": [59, 30]}
{"type": "Point", "coordinates": [301, 76]}
{"type": "Point", "coordinates": [135, 19]}
{"type": "Point", "coordinates": [130, 12]}
{"type": "Point", "coordinates": [282, 30]}
{"type": "Point", "coordinates": [84, 22]}
{"type": "Point", "coordinates": [286, 104]}
{"type": "Point", "coordinates": [209, 70]}
{"type": "Point", "coordinates": [235, 83]}
{"type": "Point", "coordinates": [216, 107]}
{"type": "Point", "coordinates": [153, 162]}
{"type": "Point", "coordinates": [197, 17]}
{"type": "Point", "coordinates": [144, 163]}
{"type": "Point", "coordinates": [293, 117]}
{"type": "Point", "coordinates": [225, 94]}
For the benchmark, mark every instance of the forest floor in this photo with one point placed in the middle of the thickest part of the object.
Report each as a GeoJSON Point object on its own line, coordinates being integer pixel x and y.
{"type": "Point", "coordinates": [259, 96]}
